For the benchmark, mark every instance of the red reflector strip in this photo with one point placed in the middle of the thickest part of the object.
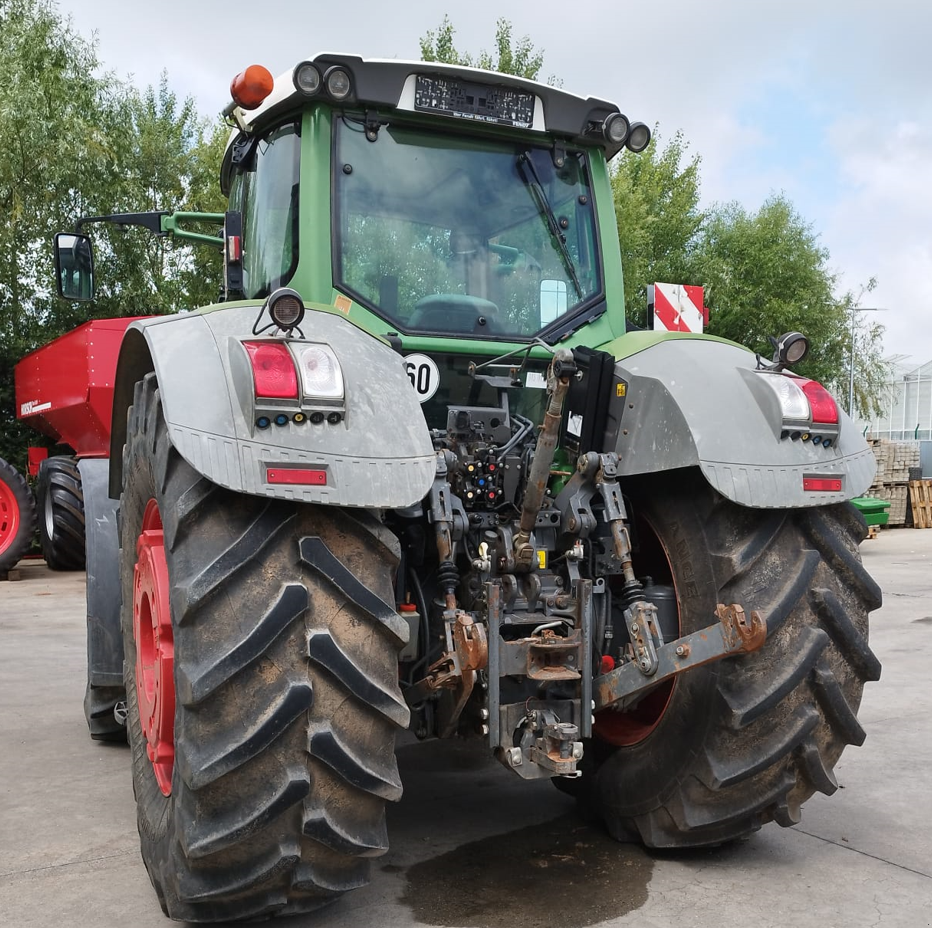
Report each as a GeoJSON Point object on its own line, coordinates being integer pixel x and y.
{"type": "Point", "coordinates": [825, 484]}
{"type": "Point", "coordinates": [305, 475]}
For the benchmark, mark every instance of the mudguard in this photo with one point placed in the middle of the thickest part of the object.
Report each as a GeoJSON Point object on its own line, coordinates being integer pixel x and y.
{"type": "Point", "coordinates": [693, 401]}
{"type": "Point", "coordinates": [379, 456]}
{"type": "Point", "coordinates": [104, 594]}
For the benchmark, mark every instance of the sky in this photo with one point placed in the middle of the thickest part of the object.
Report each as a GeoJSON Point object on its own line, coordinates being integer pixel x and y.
{"type": "Point", "coordinates": [826, 101]}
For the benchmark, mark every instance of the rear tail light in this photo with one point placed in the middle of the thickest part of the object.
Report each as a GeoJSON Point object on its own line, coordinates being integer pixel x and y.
{"type": "Point", "coordinates": [273, 370]}
{"type": "Point", "coordinates": [794, 406]}
{"type": "Point", "coordinates": [321, 374]}
{"type": "Point", "coordinates": [821, 402]}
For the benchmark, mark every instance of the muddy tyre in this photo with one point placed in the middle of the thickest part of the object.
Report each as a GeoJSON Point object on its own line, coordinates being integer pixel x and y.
{"type": "Point", "coordinates": [747, 740]}
{"type": "Point", "coordinates": [61, 513]}
{"type": "Point", "coordinates": [286, 699]}
{"type": "Point", "coordinates": [17, 516]}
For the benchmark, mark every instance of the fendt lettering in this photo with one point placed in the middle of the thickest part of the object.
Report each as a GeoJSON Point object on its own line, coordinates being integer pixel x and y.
{"type": "Point", "coordinates": [415, 472]}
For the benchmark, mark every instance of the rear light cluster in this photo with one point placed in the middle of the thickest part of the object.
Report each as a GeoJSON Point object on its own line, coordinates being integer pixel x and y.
{"type": "Point", "coordinates": [809, 411]}
{"type": "Point", "coordinates": [297, 374]}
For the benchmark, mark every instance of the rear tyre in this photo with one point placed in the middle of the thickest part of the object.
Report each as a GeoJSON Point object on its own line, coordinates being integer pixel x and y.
{"type": "Point", "coordinates": [748, 739]}
{"type": "Point", "coordinates": [61, 509]}
{"type": "Point", "coordinates": [286, 698]}
{"type": "Point", "coordinates": [17, 516]}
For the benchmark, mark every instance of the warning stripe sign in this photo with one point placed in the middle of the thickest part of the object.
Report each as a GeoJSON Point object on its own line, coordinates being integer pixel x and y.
{"type": "Point", "coordinates": [676, 308]}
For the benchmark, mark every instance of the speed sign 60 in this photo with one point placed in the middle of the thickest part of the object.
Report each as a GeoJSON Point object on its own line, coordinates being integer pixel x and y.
{"type": "Point", "coordinates": [424, 375]}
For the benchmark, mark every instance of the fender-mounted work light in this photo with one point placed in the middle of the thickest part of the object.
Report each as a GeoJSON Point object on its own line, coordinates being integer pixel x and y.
{"type": "Point", "coordinates": [250, 87]}
{"type": "Point", "coordinates": [286, 308]}
{"type": "Point", "coordinates": [791, 348]}
{"type": "Point", "coordinates": [638, 137]}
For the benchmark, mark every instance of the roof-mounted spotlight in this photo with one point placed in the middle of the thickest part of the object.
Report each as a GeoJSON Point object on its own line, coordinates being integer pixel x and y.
{"type": "Point", "coordinates": [790, 348]}
{"type": "Point", "coordinates": [306, 78]}
{"type": "Point", "coordinates": [638, 137]}
{"type": "Point", "coordinates": [338, 84]}
{"type": "Point", "coordinates": [615, 128]}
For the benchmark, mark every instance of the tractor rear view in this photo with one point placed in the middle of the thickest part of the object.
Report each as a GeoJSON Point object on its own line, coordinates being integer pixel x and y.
{"type": "Point", "coordinates": [414, 472]}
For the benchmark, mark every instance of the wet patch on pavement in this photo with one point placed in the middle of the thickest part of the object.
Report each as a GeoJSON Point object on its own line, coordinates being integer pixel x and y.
{"type": "Point", "coordinates": [561, 872]}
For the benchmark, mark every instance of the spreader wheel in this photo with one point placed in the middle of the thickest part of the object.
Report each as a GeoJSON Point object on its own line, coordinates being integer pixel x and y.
{"type": "Point", "coordinates": [17, 516]}
{"type": "Point", "coordinates": [61, 505]}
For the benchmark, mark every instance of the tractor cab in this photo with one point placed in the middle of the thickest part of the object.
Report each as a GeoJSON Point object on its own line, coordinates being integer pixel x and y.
{"type": "Point", "coordinates": [425, 199]}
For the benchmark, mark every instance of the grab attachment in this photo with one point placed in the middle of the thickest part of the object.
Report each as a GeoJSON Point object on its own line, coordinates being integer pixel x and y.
{"type": "Point", "coordinates": [733, 634]}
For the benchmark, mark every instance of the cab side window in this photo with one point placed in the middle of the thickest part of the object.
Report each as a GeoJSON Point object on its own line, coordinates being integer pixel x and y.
{"type": "Point", "coordinates": [265, 191]}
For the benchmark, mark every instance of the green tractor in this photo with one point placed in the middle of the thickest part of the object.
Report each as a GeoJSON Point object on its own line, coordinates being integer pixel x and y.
{"type": "Point", "coordinates": [414, 472]}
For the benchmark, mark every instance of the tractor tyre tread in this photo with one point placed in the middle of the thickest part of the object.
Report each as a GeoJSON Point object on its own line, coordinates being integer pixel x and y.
{"type": "Point", "coordinates": [281, 769]}
{"type": "Point", "coordinates": [760, 733]}
{"type": "Point", "coordinates": [61, 513]}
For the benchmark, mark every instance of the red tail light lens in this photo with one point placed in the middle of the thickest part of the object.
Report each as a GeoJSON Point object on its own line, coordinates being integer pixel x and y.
{"type": "Point", "coordinates": [821, 402]}
{"type": "Point", "coordinates": [273, 370]}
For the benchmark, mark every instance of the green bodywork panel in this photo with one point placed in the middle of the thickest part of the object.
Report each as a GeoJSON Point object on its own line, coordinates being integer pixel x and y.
{"type": "Point", "coordinates": [634, 342]}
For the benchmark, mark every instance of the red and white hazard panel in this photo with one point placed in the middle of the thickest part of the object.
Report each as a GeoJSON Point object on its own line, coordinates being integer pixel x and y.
{"type": "Point", "coordinates": [676, 308]}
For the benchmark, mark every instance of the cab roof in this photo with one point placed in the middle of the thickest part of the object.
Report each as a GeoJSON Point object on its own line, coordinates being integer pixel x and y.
{"type": "Point", "coordinates": [390, 84]}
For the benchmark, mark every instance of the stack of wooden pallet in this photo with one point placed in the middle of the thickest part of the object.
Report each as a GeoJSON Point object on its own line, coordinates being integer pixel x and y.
{"type": "Point", "coordinates": [920, 497]}
{"type": "Point", "coordinates": [894, 460]}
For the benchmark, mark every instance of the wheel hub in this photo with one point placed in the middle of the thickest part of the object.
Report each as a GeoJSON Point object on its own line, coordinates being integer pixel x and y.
{"type": "Point", "coordinates": [9, 517]}
{"type": "Point", "coordinates": [155, 650]}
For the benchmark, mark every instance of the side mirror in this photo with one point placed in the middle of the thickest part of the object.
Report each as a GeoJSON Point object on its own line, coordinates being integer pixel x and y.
{"type": "Point", "coordinates": [74, 266]}
{"type": "Point", "coordinates": [552, 300]}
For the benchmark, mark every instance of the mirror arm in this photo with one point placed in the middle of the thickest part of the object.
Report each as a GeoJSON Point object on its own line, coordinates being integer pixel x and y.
{"type": "Point", "coordinates": [151, 221]}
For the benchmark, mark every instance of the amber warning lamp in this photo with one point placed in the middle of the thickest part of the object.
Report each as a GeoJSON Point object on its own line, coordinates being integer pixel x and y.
{"type": "Point", "coordinates": [249, 88]}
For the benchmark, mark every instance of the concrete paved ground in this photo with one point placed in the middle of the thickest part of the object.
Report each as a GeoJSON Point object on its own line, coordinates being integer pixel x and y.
{"type": "Point", "coordinates": [472, 845]}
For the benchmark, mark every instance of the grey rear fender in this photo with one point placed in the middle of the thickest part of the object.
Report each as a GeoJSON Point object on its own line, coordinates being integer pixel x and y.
{"type": "Point", "coordinates": [697, 402]}
{"type": "Point", "coordinates": [379, 455]}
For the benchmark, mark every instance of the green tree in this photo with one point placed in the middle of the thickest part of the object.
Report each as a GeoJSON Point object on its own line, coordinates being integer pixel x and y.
{"type": "Point", "coordinates": [57, 160]}
{"type": "Point", "coordinates": [656, 196]}
{"type": "Point", "coordinates": [170, 161]}
{"type": "Point", "coordinates": [766, 273]}
{"type": "Point", "coordinates": [76, 143]}
{"type": "Point", "coordinates": [511, 56]}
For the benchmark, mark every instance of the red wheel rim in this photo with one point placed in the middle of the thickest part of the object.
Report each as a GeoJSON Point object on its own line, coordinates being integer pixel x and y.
{"type": "Point", "coordinates": [9, 517]}
{"type": "Point", "coordinates": [627, 728]}
{"type": "Point", "coordinates": [155, 649]}
{"type": "Point", "coordinates": [624, 729]}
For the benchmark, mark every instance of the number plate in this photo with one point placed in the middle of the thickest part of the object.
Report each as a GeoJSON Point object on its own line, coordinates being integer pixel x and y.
{"type": "Point", "coordinates": [466, 100]}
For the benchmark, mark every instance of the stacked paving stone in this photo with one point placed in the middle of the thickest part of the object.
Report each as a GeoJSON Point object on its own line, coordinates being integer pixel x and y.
{"type": "Point", "coordinates": [894, 460]}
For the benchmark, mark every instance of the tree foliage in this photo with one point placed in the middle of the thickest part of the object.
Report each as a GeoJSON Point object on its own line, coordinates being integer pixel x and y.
{"type": "Point", "coordinates": [80, 143]}
{"type": "Point", "coordinates": [656, 195]}
{"type": "Point", "coordinates": [766, 273]}
{"type": "Point", "coordinates": [511, 56]}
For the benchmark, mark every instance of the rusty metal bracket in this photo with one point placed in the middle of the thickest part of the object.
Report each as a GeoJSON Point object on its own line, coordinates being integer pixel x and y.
{"type": "Point", "coordinates": [732, 634]}
{"type": "Point", "coordinates": [467, 653]}
{"type": "Point", "coordinates": [646, 637]}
